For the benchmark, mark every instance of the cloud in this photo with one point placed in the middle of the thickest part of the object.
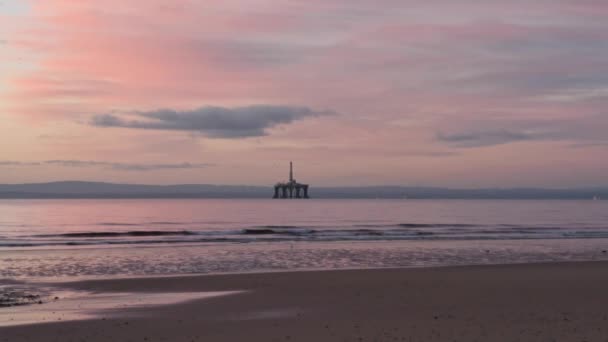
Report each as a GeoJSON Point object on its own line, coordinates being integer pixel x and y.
{"type": "Point", "coordinates": [589, 144]}
{"type": "Point", "coordinates": [586, 130]}
{"type": "Point", "coordinates": [108, 165]}
{"type": "Point", "coordinates": [399, 70]}
{"type": "Point", "coordinates": [482, 138]}
{"type": "Point", "coordinates": [214, 122]}
{"type": "Point", "coordinates": [17, 163]}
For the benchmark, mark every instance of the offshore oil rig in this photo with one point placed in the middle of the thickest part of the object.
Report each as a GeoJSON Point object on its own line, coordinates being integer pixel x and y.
{"type": "Point", "coordinates": [291, 189]}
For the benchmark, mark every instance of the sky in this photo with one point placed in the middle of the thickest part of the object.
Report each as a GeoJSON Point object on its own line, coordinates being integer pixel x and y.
{"type": "Point", "coordinates": [450, 93]}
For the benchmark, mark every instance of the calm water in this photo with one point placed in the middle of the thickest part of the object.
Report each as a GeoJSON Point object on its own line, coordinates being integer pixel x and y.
{"type": "Point", "coordinates": [65, 238]}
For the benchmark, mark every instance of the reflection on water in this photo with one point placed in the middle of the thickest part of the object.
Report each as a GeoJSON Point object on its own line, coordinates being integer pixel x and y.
{"type": "Point", "coordinates": [71, 306]}
{"type": "Point", "coordinates": [69, 238]}
{"type": "Point", "coordinates": [74, 223]}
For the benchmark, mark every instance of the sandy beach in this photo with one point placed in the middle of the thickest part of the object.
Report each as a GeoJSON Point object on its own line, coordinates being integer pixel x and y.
{"type": "Point", "coordinates": [534, 302]}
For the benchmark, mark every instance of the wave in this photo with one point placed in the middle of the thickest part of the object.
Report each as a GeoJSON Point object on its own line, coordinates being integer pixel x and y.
{"type": "Point", "coordinates": [258, 231]}
{"type": "Point", "coordinates": [418, 236]}
{"type": "Point", "coordinates": [419, 225]}
{"type": "Point", "coordinates": [119, 234]}
{"type": "Point", "coordinates": [112, 224]}
{"type": "Point", "coordinates": [436, 225]}
{"type": "Point", "coordinates": [277, 233]}
{"type": "Point", "coordinates": [116, 242]}
{"type": "Point", "coordinates": [274, 229]}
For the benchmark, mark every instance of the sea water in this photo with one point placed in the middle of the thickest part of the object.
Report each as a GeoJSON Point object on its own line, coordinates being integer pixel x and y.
{"type": "Point", "coordinates": [84, 238]}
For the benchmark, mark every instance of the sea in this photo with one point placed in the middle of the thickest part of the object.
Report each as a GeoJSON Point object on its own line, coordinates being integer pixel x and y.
{"type": "Point", "coordinates": [91, 238]}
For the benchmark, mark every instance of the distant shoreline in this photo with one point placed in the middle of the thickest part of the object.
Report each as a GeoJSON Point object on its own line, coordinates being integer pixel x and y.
{"type": "Point", "coordinates": [204, 196]}
{"type": "Point", "coordinates": [92, 190]}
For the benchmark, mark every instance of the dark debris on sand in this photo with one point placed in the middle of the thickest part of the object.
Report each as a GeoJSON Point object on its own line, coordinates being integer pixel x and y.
{"type": "Point", "coordinates": [13, 296]}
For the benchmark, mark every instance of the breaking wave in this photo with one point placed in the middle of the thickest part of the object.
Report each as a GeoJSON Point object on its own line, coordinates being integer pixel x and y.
{"type": "Point", "coordinates": [119, 234]}
{"type": "Point", "coordinates": [278, 233]}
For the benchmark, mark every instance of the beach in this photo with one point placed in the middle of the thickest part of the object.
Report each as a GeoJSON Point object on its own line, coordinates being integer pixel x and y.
{"type": "Point", "coordinates": [318, 270]}
{"type": "Point", "coordinates": [531, 302]}
{"type": "Point", "coordinates": [265, 171]}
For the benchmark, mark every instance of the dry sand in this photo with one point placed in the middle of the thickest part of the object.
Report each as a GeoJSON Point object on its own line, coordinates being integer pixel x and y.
{"type": "Point", "coordinates": [538, 302]}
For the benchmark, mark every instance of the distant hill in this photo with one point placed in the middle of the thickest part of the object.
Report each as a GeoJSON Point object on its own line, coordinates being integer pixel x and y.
{"type": "Point", "coordinates": [75, 189]}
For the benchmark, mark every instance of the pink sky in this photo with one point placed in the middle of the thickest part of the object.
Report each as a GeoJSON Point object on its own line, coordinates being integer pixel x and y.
{"type": "Point", "coordinates": [457, 93]}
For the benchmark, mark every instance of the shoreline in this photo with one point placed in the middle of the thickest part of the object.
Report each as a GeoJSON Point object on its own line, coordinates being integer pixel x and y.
{"type": "Point", "coordinates": [59, 265]}
{"type": "Point", "coordinates": [507, 302]}
{"type": "Point", "coordinates": [166, 244]}
{"type": "Point", "coordinates": [58, 281]}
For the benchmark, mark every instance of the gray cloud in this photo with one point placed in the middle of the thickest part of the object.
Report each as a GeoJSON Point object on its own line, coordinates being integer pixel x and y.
{"type": "Point", "coordinates": [586, 131]}
{"type": "Point", "coordinates": [482, 138]}
{"type": "Point", "coordinates": [17, 163]}
{"type": "Point", "coordinates": [108, 165]}
{"type": "Point", "coordinates": [589, 144]}
{"type": "Point", "coordinates": [215, 122]}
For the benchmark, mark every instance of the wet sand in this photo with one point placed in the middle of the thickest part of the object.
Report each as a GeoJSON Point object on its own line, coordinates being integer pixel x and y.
{"type": "Point", "coordinates": [535, 302]}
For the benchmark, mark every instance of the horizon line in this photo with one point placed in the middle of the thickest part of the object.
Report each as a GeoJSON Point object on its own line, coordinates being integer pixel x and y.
{"type": "Point", "coordinates": [596, 187]}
